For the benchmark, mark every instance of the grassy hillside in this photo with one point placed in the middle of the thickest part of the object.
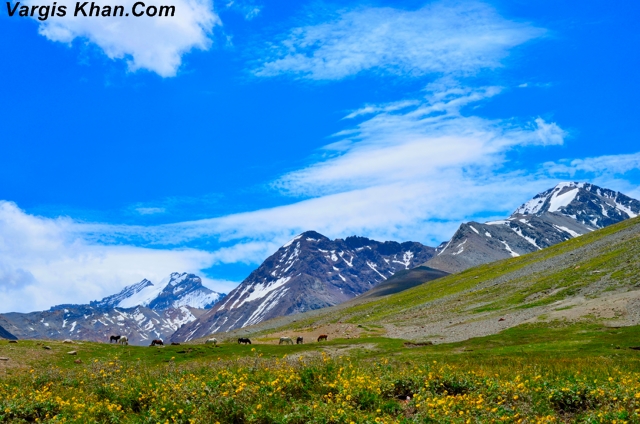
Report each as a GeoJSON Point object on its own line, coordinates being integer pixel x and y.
{"type": "Point", "coordinates": [595, 277]}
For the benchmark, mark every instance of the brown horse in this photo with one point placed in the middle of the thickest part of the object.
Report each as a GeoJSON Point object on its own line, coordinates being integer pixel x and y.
{"type": "Point", "coordinates": [157, 342]}
{"type": "Point", "coordinates": [322, 337]}
{"type": "Point", "coordinates": [299, 340]}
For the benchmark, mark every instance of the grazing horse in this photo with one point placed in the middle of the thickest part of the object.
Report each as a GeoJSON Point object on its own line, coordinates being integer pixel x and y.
{"type": "Point", "coordinates": [123, 340]}
{"type": "Point", "coordinates": [244, 340]}
{"type": "Point", "coordinates": [213, 341]}
{"type": "Point", "coordinates": [114, 338]}
{"type": "Point", "coordinates": [156, 342]}
{"type": "Point", "coordinates": [285, 340]}
{"type": "Point", "coordinates": [299, 340]}
{"type": "Point", "coordinates": [322, 337]}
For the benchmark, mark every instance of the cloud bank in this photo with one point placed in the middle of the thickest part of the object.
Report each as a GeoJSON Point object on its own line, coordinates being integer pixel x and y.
{"type": "Point", "coordinates": [46, 261]}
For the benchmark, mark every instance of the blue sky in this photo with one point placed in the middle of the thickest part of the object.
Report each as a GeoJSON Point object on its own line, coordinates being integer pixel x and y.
{"type": "Point", "coordinates": [204, 143]}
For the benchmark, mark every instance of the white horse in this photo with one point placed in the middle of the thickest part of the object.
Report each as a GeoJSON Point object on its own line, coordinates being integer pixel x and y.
{"type": "Point", "coordinates": [124, 341]}
{"type": "Point", "coordinates": [213, 341]}
{"type": "Point", "coordinates": [285, 340]}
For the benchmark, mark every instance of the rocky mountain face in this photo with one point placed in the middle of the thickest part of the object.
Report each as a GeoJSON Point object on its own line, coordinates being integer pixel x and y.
{"type": "Point", "coordinates": [565, 211]}
{"type": "Point", "coordinates": [309, 272]}
{"type": "Point", "coordinates": [142, 312]}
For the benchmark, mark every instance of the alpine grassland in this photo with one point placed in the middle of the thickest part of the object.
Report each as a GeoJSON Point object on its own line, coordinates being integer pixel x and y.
{"type": "Point", "coordinates": [533, 373]}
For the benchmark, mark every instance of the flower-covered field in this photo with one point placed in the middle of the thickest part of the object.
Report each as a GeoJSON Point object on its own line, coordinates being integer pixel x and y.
{"type": "Point", "coordinates": [318, 388]}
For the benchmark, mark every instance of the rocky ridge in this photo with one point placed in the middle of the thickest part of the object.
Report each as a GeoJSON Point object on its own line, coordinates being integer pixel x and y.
{"type": "Point", "coordinates": [309, 272]}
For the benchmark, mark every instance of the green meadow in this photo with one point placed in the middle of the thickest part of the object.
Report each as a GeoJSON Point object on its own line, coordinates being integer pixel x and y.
{"type": "Point", "coordinates": [531, 373]}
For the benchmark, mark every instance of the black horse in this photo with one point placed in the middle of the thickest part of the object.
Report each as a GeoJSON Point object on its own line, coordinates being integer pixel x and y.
{"type": "Point", "coordinates": [299, 340]}
{"type": "Point", "coordinates": [243, 340]}
{"type": "Point", "coordinates": [114, 339]}
{"type": "Point", "coordinates": [157, 342]}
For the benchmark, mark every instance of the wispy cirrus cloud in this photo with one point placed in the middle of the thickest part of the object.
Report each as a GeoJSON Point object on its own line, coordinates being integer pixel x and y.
{"type": "Point", "coordinates": [611, 171]}
{"type": "Point", "coordinates": [249, 9]}
{"type": "Point", "coordinates": [150, 211]}
{"type": "Point", "coordinates": [423, 142]}
{"type": "Point", "coordinates": [607, 164]}
{"type": "Point", "coordinates": [402, 173]}
{"type": "Point", "coordinates": [439, 38]}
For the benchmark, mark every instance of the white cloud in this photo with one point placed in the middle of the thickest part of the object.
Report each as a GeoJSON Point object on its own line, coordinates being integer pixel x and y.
{"type": "Point", "coordinates": [248, 9]}
{"type": "Point", "coordinates": [410, 173]}
{"type": "Point", "coordinates": [156, 43]}
{"type": "Point", "coordinates": [150, 211]}
{"type": "Point", "coordinates": [421, 143]}
{"type": "Point", "coordinates": [610, 171]}
{"type": "Point", "coordinates": [607, 164]}
{"type": "Point", "coordinates": [387, 107]}
{"type": "Point", "coordinates": [441, 38]}
{"type": "Point", "coordinates": [45, 262]}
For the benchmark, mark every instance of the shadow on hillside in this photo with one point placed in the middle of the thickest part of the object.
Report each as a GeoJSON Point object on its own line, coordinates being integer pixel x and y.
{"type": "Point", "coordinates": [403, 280]}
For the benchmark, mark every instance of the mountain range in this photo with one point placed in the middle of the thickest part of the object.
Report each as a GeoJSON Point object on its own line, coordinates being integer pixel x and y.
{"type": "Point", "coordinates": [589, 283]}
{"type": "Point", "coordinates": [311, 272]}
{"type": "Point", "coordinates": [142, 311]}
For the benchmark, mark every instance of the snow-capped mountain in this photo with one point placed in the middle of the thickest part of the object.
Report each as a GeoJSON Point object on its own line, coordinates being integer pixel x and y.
{"type": "Point", "coordinates": [309, 272]}
{"type": "Point", "coordinates": [565, 211]}
{"type": "Point", "coordinates": [142, 311]}
{"type": "Point", "coordinates": [172, 292]}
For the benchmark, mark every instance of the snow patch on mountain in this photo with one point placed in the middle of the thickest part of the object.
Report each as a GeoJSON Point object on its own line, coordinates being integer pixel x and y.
{"type": "Point", "coordinates": [258, 291]}
{"type": "Point", "coordinates": [511, 252]}
{"type": "Point", "coordinates": [558, 200]}
{"type": "Point", "coordinates": [143, 297]}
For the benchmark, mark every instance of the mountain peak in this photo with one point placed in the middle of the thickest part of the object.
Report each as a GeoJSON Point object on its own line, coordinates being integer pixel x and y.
{"type": "Point", "coordinates": [308, 236]}
{"type": "Point", "coordinates": [551, 200]}
{"type": "Point", "coordinates": [309, 272]}
{"type": "Point", "coordinates": [179, 289]}
{"type": "Point", "coordinates": [589, 204]}
{"type": "Point", "coordinates": [567, 210]}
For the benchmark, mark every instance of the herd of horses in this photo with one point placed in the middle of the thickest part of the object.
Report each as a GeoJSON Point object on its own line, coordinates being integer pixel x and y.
{"type": "Point", "coordinates": [123, 340]}
{"type": "Point", "coordinates": [300, 340]}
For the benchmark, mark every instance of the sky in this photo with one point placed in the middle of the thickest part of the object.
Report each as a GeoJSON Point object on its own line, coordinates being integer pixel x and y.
{"type": "Point", "coordinates": [136, 147]}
